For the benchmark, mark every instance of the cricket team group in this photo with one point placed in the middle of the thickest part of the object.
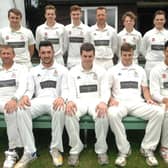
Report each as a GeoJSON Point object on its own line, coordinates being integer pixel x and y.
{"type": "Point", "coordinates": [88, 81]}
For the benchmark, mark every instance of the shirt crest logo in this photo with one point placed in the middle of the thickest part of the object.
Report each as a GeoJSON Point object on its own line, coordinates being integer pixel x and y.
{"type": "Point", "coordinates": [7, 37]}
{"type": "Point", "coordinates": [13, 75]}
{"type": "Point", "coordinates": [55, 73]}
{"type": "Point", "coordinates": [164, 76]}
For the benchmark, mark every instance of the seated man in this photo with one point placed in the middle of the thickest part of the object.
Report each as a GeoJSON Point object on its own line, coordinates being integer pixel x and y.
{"type": "Point", "coordinates": [87, 94]}
{"type": "Point", "coordinates": [159, 92]}
{"type": "Point", "coordinates": [12, 88]}
{"type": "Point", "coordinates": [48, 81]}
{"type": "Point", "coordinates": [127, 81]}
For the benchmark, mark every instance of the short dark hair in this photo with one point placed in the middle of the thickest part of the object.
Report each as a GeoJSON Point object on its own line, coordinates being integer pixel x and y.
{"type": "Point", "coordinates": [75, 8]}
{"type": "Point", "coordinates": [165, 45]}
{"type": "Point", "coordinates": [45, 44]}
{"type": "Point", "coordinates": [129, 14]}
{"type": "Point", "coordinates": [126, 47]}
{"type": "Point", "coordinates": [15, 11]}
{"type": "Point", "coordinates": [101, 8]}
{"type": "Point", "coordinates": [50, 7]}
{"type": "Point", "coordinates": [6, 46]}
{"type": "Point", "coordinates": [160, 12]}
{"type": "Point", "coordinates": [87, 47]}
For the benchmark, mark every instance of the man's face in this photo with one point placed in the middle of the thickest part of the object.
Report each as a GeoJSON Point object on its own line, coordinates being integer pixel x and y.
{"type": "Point", "coordinates": [127, 57]}
{"type": "Point", "coordinates": [50, 15]}
{"type": "Point", "coordinates": [14, 20]}
{"type": "Point", "coordinates": [7, 55]}
{"type": "Point", "coordinates": [159, 21]}
{"type": "Point", "coordinates": [46, 54]}
{"type": "Point", "coordinates": [87, 58]}
{"type": "Point", "coordinates": [166, 55]}
{"type": "Point", "coordinates": [76, 15]}
{"type": "Point", "coordinates": [101, 16]}
{"type": "Point", "coordinates": [128, 23]}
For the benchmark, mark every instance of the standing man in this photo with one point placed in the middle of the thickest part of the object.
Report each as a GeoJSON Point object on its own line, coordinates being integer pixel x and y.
{"type": "Point", "coordinates": [12, 88]}
{"type": "Point", "coordinates": [153, 42]}
{"type": "Point", "coordinates": [8, 4]}
{"type": "Point", "coordinates": [87, 94]}
{"type": "Point", "coordinates": [48, 81]}
{"type": "Point", "coordinates": [159, 92]}
{"type": "Point", "coordinates": [130, 35]}
{"type": "Point", "coordinates": [127, 82]}
{"type": "Point", "coordinates": [52, 31]}
{"type": "Point", "coordinates": [104, 39]}
{"type": "Point", "coordinates": [19, 37]}
{"type": "Point", "coordinates": [76, 35]}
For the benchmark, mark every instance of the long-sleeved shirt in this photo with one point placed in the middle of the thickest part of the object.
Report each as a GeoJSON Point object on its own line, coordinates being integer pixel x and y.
{"type": "Point", "coordinates": [13, 82]}
{"type": "Point", "coordinates": [104, 41]}
{"type": "Point", "coordinates": [159, 82]}
{"type": "Point", "coordinates": [55, 35]}
{"type": "Point", "coordinates": [48, 82]}
{"type": "Point", "coordinates": [153, 44]}
{"type": "Point", "coordinates": [87, 85]}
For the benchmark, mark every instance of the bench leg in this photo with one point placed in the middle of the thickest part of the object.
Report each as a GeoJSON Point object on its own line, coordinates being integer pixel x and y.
{"type": "Point", "coordinates": [85, 137]}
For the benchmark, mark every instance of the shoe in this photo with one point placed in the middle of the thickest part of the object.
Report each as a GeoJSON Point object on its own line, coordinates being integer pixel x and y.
{"type": "Point", "coordinates": [150, 158]}
{"type": "Point", "coordinates": [57, 157]}
{"type": "Point", "coordinates": [25, 160]}
{"type": "Point", "coordinates": [73, 159]}
{"type": "Point", "coordinates": [103, 159]}
{"type": "Point", "coordinates": [164, 154]}
{"type": "Point", "coordinates": [122, 159]}
{"type": "Point", "coordinates": [11, 158]}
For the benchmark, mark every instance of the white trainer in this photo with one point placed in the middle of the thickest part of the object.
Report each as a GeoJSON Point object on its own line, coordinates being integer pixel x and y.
{"type": "Point", "coordinates": [25, 160]}
{"type": "Point", "coordinates": [121, 160]}
{"type": "Point", "coordinates": [150, 158]}
{"type": "Point", "coordinates": [57, 157]}
{"type": "Point", "coordinates": [11, 158]}
{"type": "Point", "coordinates": [164, 154]}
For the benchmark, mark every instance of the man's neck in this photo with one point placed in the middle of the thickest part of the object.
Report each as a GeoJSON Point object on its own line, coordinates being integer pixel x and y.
{"type": "Point", "coordinates": [50, 24]}
{"type": "Point", "coordinates": [7, 66]}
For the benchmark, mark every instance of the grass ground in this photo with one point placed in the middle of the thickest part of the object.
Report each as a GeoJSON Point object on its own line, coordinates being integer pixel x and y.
{"type": "Point", "coordinates": [88, 157]}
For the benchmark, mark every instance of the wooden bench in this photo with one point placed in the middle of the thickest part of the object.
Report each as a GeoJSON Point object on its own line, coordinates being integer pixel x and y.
{"type": "Point", "coordinates": [86, 123]}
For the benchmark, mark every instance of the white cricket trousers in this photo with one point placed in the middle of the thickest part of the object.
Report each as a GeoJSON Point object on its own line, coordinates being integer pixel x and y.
{"type": "Point", "coordinates": [14, 138]}
{"type": "Point", "coordinates": [73, 129]}
{"type": "Point", "coordinates": [153, 113]}
{"type": "Point", "coordinates": [40, 106]}
{"type": "Point", "coordinates": [164, 137]}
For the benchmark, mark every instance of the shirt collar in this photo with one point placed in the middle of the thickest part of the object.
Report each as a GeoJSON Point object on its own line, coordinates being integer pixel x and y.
{"type": "Point", "coordinates": [105, 28]}
{"type": "Point", "coordinates": [79, 26]}
{"type": "Point", "coordinates": [126, 32]}
{"type": "Point", "coordinates": [90, 71]}
{"type": "Point", "coordinates": [54, 66]}
{"type": "Point", "coordinates": [126, 67]}
{"type": "Point", "coordinates": [10, 69]}
{"type": "Point", "coordinates": [164, 66]}
{"type": "Point", "coordinates": [49, 27]}
{"type": "Point", "coordinates": [158, 31]}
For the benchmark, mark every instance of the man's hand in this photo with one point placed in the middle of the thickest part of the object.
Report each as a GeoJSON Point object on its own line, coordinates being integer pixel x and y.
{"type": "Point", "coordinates": [24, 102]}
{"type": "Point", "coordinates": [150, 101]}
{"type": "Point", "coordinates": [113, 102]}
{"type": "Point", "coordinates": [11, 106]}
{"type": "Point", "coordinates": [58, 103]}
{"type": "Point", "coordinates": [101, 109]}
{"type": "Point", "coordinates": [165, 101]}
{"type": "Point", "coordinates": [70, 108]}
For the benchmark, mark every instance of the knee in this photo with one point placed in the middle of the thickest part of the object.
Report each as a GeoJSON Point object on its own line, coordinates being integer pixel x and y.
{"type": "Point", "coordinates": [113, 113]}
{"type": "Point", "coordinates": [159, 112]}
